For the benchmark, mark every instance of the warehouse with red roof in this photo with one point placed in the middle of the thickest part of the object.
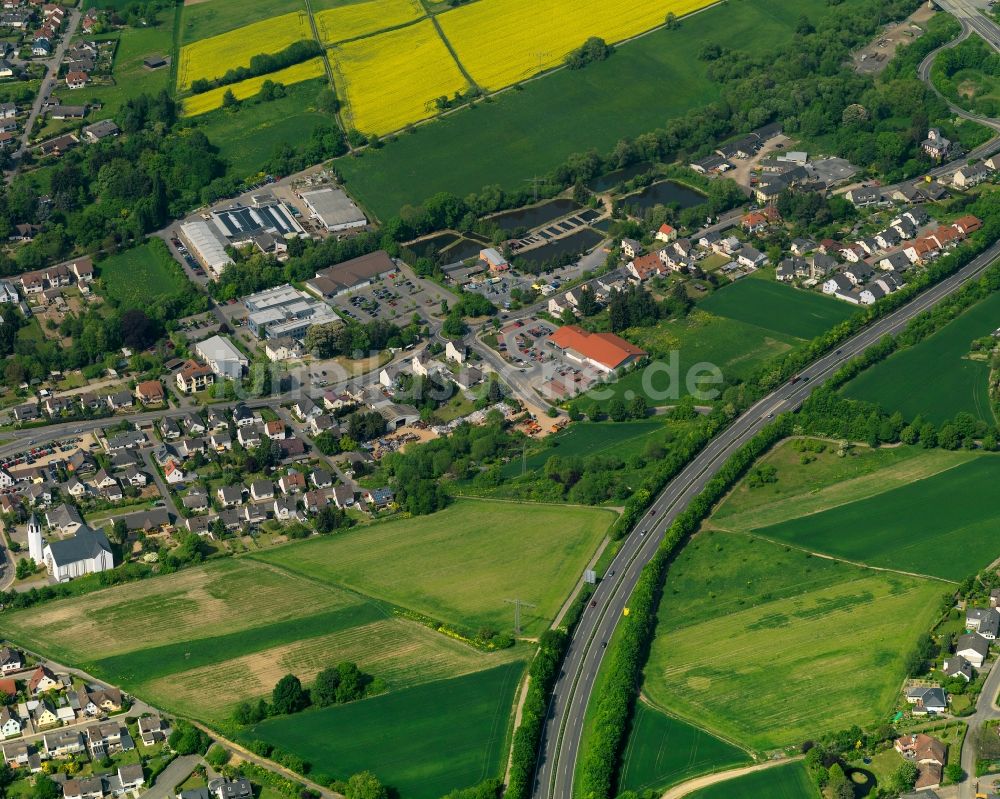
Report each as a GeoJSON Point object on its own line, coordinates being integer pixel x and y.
{"type": "Point", "coordinates": [605, 351]}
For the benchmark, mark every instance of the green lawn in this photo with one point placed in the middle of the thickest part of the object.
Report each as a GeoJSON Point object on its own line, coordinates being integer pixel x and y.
{"type": "Point", "coordinates": [423, 742]}
{"type": "Point", "coordinates": [590, 438]}
{"type": "Point", "coordinates": [664, 751]}
{"type": "Point", "coordinates": [247, 136]}
{"type": "Point", "coordinates": [825, 481]}
{"type": "Point", "coordinates": [130, 76]}
{"type": "Point", "coordinates": [934, 378]}
{"type": "Point", "coordinates": [769, 647]}
{"type": "Point", "coordinates": [201, 20]}
{"type": "Point", "coordinates": [569, 111]}
{"type": "Point", "coordinates": [136, 277]}
{"type": "Point", "coordinates": [765, 302]}
{"type": "Point", "coordinates": [781, 782]}
{"type": "Point", "coordinates": [460, 563]}
{"type": "Point", "coordinates": [946, 525]}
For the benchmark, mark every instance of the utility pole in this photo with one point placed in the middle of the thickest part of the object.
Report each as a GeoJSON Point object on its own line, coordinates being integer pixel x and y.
{"type": "Point", "coordinates": [518, 604]}
{"type": "Point", "coordinates": [534, 182]}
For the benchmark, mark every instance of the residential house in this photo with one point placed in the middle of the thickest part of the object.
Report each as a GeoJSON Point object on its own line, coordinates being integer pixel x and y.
{"type": "Point", "coordinates": [10, 660]}
{"type": "Point", "coordinates": [194, 377]}
{"type": "Point", "coordinates": [243, 416]}
{"type": "Point", "coordinates": [83, 788]}
{"type": "Point", "coordinates": [936, 145]}
{"type": "Point", "coordinates": [646, 266]}
{"type": "Point", "coordinates": [927, 699]}
{"type": "Point", "coordinates": [343, 497]}
{"type": "Point", "coordinates": [261, 490]}
{"type": "Point", "coordinates": [321, 478]}
{"type": "Point", "coordinates": [42, 679]}
{"type": "Point", "coordinates": [802, 246]}
{"type": "Point", "coordinates": [864, 196]}
{"type": "Point", "coordinates": [292, 483]}
{"type": "Point", "coordinates": [63, 743]}
{"type": "Point", "coordinates": [99, 701]}
{"type": "Point", "coordinates": [249, 436]}
{"type": "Point", "coordinates": [285, 508]}
{"type": "Point", "coordinates": [10, 724]}
{"type": "Point", "coordinates": [229, 496]}
{"type": "Point", "coordinates": [751, 257]}
{"type": "Point", "coordinates": [985, 621]}
{"type": "Point", "coordinates": [173, 473]}
{"type": "Point", "coordinates": [974, 648]}
{"type": "Point", "coordinates": [223, 788]}
{"type": "Point", "coordinates": [754, 222]}
{"type": "Point", "coordinates": [957, 666]}
{"type": "Point", "coordinates": [150, 392]}
{"type": "Point", "coordinates": [152, 730]}
{"type": "Point", "coordinates": [274, 430]}
{"type": "Point", "coordinates": [895, 262]}
{"type": "Point", "coordinates": [970, 175]}
{"type": "Point", "coordinates": [666, 233]}
{"type": "Point", "coordinates": [305, 408]}
{"type": "Point", "coordinates": [967, 225]}
{"type": "Point", "coordinates": [858, 273]}
{"type": "Point", "coordinates": [631, 248]}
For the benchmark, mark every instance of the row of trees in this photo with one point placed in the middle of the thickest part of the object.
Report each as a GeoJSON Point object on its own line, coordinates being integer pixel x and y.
{"type": "Point", "coordinates": [263, 64]}
{"type": "Point", "coordinates": [334, 685]}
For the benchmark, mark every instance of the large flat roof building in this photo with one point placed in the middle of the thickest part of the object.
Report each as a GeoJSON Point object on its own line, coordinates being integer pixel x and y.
{"type": "Point", "coordinates": [240, 222]}
{"type": "Point", "coordinates": [222, 357]}
{"type": "Point", "coordinates": [604, 351]}
{"type": "Point", "coordinates": [285, 311]}
{"type": "Point", "coordinates": [206, 245]}
{"type": "Point", "coordinates": [334, 209]}
{"type": "Point", "coordinates": [350, 275]}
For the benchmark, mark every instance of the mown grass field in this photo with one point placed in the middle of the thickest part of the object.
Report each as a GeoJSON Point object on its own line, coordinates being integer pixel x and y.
{"type": "Point", "coordinates": [247, 136]}
{"type": "Point", "coordinates": [764, 302]}
{"type": "Point", "coordinates": [211, 100]}
{"type": "Point", "coordinates": [207, 19]}
{"type": "Point", "coordinates": [462, 562]}
{"type": "Point", "coordinates": [590, 438]}
{"type": "Point", "coordinates": [136, 277]}
{"type": "Point", "coordinates": [424, 741]}
{"type": "Point", "coordinates": [739, 651]}
{"type": "Point", "coordinates": [216, 55]}
{"type": "Point", "coordinates": [392, 79]}
{"type": "Point", "coordinates": [350, 21]}
{"type": "Point", "coordinates": [736, 348]}
{"type": "Point", "coordinates": [946, 525]}
{"type": "Point", "coordinates": [664, 751]}
{"type": "Point", "coordinates": [535, 35]}
{"type": "Point", "coordinates": [131, 77]}
{"type": "Point", "coordinates": [781, 782]}
{"type": "Point", "coordinates": [934, 378]}
{"type": "Point", "coordinates": [827, 481]}
{"type": "Point", "coordinates": [569, 111]}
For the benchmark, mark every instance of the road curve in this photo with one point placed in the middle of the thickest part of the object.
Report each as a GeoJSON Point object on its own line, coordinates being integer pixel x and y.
{"type": "Point", "coordinates": [690, 786]}
{"type": "Point", "coordinates": [572, 693]}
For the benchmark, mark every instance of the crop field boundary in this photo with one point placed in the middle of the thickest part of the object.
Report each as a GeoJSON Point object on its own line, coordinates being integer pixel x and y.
{"type": "Point", "coordinates": [839, 559]}
{"type": "Point", "coordinates": [653, 705]}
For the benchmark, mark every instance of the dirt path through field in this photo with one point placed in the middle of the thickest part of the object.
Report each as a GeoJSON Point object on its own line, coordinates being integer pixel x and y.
{"type": "Point", "coordinates": [697, 783]}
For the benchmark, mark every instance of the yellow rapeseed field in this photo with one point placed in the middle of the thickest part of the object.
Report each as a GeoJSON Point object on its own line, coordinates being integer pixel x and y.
{"type": "Point", "coordinates": [392, 79]}
{"type": "Point", "coordinates": [210, 100]}
{"type": "Point", "coordinates": [214, 56]}
{"type": "Point", "coordinates": [360, 19]}
{"type": "Point", "coordinates": [501, 42]}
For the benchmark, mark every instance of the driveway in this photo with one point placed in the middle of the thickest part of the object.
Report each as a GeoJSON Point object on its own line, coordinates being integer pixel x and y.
{"type": "Point", "coordinates": [147, 455]}
{"type": "Point", "coordinates": [173, 775]}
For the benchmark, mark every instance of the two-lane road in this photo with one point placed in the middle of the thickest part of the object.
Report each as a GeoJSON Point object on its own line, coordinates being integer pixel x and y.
{"type": "Point", "coordinates": [572, 694]}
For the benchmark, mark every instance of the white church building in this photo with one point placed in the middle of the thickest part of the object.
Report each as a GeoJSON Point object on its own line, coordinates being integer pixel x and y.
{"type": "Point", "coordinates": [88, 551]}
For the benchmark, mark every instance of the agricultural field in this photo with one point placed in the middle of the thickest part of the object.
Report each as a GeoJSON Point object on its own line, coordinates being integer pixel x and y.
{"type": "Point", "coordinates": [207, 19]}
{"type": "Point", "coordinates": [664, 751]}
{"type": "Point", "coordinates": [950, 512]}
{"type": "Point", "coordinates": [590, 438]}
{"type": "Point", "coordinates": [424, 741]}
{"type": "Point", "coordinates": [392, 79]}
{"type": "Point", "coordinates": [130, 75]}
{"type": "Point", "coordinates": [934, 378]}
{"type": "Point", "coordinates": [247, 136]}
{"type": "Point", "coordinates": [780, 782]}
{"type": "Point", "coordinates": [737, 651]}
{"type": "Point", "coordinates": [213, 57]}
{"type": "Point", "coordinates": [212, 99]}
{"type": "Point", "coordinates": [826, 481]}
{"type": "Point", "coordinates": [136, 277]}
{"type": "Point", "coordinates": [535, 35]}
{"type": "Point", "coordinates": [568, 111]}
{"type": "Point", "coordinates": [199, 642]}
{"type": "Point", "coordinates": [764, 302]}
{"type": "Point", "coordinates": [354, 20]}
{"type": "Point", "coordinates": [505, 550]}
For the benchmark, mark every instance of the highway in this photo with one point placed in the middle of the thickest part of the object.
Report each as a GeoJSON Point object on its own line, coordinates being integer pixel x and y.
{"type": "Point", "coordinates": [561, 737]}
{"type": "Point", "coordinates": [968, 13]}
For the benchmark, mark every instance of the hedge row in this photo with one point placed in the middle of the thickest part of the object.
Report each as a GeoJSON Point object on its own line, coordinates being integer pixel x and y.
{"type": "Point", "coordinates": [617, 702]}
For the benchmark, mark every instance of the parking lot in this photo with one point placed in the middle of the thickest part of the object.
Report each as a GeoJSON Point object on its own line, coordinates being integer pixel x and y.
{"type": "Point", "coordinates": [394, 299]}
